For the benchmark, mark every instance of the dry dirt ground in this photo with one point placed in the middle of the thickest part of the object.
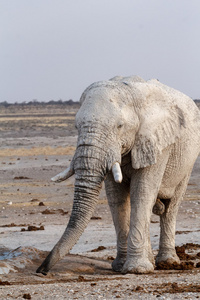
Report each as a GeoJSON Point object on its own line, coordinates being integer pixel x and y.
{"type": "Point", "coordinates": [36, 143]}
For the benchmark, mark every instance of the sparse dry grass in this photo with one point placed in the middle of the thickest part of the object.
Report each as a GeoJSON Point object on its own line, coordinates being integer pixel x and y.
{"type": "Point", "coordinates": [38, 151]}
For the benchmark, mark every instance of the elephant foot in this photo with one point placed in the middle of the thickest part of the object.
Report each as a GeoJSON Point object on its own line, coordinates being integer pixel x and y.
{"type": "Point", "coordinates": [118, 263]}
{"type": "Point", "coordinates": [167, 257]}
{"type": "Point", "coordinates": [138, 266]}
{"type": "Point", "coordinates": [151, 258]}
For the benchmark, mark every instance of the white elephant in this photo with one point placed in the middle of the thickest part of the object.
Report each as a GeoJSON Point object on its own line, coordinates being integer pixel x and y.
{"type": "Point", "coordinates": [142, 138]}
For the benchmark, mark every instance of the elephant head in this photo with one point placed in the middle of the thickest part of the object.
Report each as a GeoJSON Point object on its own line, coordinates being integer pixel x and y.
{"type": "Point", "coordinates": [117, 117]}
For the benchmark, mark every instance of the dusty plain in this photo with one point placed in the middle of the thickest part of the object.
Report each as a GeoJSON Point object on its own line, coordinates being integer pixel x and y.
{"type": "Point", "coordinates": [36, 143]}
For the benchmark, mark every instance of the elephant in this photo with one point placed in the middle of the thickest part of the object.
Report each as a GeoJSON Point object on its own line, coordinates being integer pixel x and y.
{"type": "Point", "coordinates": [142, 139]}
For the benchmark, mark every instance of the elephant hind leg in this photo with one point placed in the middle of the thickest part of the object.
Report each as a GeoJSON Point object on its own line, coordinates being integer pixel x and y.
{"type": "Point", "coordinates": [167, 252]}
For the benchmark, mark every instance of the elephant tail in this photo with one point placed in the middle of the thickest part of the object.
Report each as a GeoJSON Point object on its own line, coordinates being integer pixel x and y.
{"type": "Point", "coordinates": [159, 207]}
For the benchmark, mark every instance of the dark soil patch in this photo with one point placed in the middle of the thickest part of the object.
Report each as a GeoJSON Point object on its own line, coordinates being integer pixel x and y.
{"type": "Point", "coordinates": [180, 250]}
{"type": "Point", "coordinates": [186, 263]}
{"type": "Point", "coordinates": [21, 177]}
{"type": "Point", "coordinates": [100, 248]}
{"type": "Point", "coordinates": [174, 288]}
{"type": "Point", "coordinates": [4, 282]}
{"type": "Point", "coordinates": [191, 246]}
{"type": "Point", "coordinates": [14, 225]}
{"type": "Point", "coordinates": [181, 253]}
{"type": "Point", "coordinates": [48, 212]}
{"type": "Point", "coordinates": [96, 218]}
{"type": "Point", "coordinates": [52, 212]}
{"type": "Point", "coordinates": [34, 200]}
{"type": "Point", "coordinates": [27, 296]}
{"type": "Point", "coordinates": [33, 228]}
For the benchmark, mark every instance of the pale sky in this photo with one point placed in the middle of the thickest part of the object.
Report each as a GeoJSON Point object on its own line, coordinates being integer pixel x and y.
{"type": "Point", "coordinates": [53, 49]}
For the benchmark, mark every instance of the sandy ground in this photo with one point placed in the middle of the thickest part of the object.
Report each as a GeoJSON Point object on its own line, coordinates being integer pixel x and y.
{"type": "Point", "coordinates": [36, 143]}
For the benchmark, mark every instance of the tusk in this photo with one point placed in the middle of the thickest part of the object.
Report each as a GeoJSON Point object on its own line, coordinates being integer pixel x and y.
{"type": "Point", "coordinates": [63, 175]}
{"type": "Point", "coordinates": [117, 173]}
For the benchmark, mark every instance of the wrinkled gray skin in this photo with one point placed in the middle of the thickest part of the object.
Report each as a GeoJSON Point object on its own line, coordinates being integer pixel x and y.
{"type": "Point", "coordinates": [153, 132]}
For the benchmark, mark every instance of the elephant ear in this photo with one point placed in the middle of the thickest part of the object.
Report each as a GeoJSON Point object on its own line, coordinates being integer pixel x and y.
{"type": "Point", "coordinates": [160, 126]}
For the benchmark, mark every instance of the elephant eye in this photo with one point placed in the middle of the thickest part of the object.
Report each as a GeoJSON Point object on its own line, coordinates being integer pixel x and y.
{"type": "Point", "coordinates": [120, 125]}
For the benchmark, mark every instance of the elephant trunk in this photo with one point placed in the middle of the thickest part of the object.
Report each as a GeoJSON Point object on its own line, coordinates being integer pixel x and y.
{"type": "Point", "coordinates": [85, 199]}
{"type": "Point", "coordinates": [90, 168]}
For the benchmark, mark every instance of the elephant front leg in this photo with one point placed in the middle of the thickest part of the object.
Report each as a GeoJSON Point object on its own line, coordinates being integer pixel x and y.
{"type": "Point", "coordinates": [139, 255]}
{"type": "Point", "coordinates": [119, 202]}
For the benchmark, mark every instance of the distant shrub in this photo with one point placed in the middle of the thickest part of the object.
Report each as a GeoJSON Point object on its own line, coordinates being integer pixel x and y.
{"type": "Point", "coordinates": [38, 103]}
